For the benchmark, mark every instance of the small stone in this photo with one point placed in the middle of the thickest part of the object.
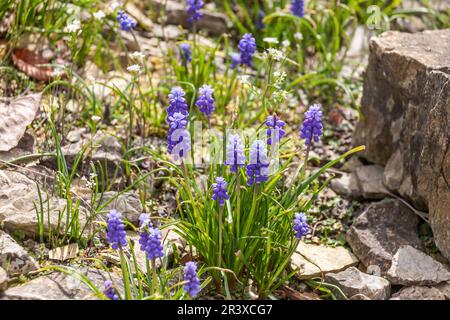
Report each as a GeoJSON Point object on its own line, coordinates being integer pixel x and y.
{"type": "Point", "coordinates": [418, 293]}
{"type": "Point", "coordinates": [346, 186]}
{"type": "Point", "coordinates": [353, 282]}
{"type": "Point", "coordinates": [322, 259]}
{"type": "Point", "coordinates": [127, 203]}
{"type": "Point", "coordinates": [13, 258]}
{"type": "Point", "coordinates": [3, 280]}
{"type": "Point", "coordinates": [359, 296]}
{"type": "Point", "coordinates": [413, 267]}
{"type": "Point", "coordinates": [370, 179]}
{"type": "Point", "coordinates": [60, 286]}
{"type": "Point", "coordinates": [380, 230]}
{"type": "Point", "coordinates": [445, 289]}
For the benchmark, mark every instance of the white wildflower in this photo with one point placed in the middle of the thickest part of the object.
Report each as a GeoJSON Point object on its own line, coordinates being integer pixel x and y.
{"type": "Point", "coordinates": [73, 27]}
{"type": "Point", "coordinates": [286, 43]}
{"type": "Point", "coordinates": [298, 36]}
{"type": "Point", "coordinates": [271, 40]}
{"type": "Point", "coordinates": [114, 5]}
{"type": "Point", "coordinates": [96, 118]}
{"type": "Point", "coordinates": [275, 54]}
{"type": "Point", "coordinates": [135, 68]}
{"type": "Point", "coordinates": [244, 79]}
{"type": "Point", "coordinates": [99, 15]}
{"type": "Point", "coordinates": [137, 55]}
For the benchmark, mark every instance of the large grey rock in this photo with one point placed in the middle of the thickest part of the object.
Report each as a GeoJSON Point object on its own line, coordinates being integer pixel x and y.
{"type": "Point", "coordinates": [370, 180]}
{"type": "Point", "coordinates": [380, 230]}
{"type": "Point", "coordinates": [353, 282]}
{"type": "Point", "coordinates": [127, 203]}
{"type": "Point", "coordinates": [444, 288]}
{"type": "Point", "coordinates": [313, 260]}
{"type": "Point", "coordinates": [346, 186]}
{"type": "Point", "coordinates": [103, 149]}
{"type": "Point", "coordinates": [18, 197]}
{"type": "Point", "coordinates": [60, 286]}
{"type": "Point", "coordinates": [406, 123]}
{"type": "Point", "coordinates": [418, 293]}
{"type": "Point", "coordinates": [175, 13]}
{"type": "Point", "coordinates": [13, 258]}
{"type": "Point", "coordinates": [3, 280]}
{"type": "Point", "coordinates": [413, 267]}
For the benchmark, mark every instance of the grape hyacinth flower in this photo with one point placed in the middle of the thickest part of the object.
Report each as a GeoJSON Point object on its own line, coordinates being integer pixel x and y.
{"type": "Point", "coordinates": [312, 124]}
{"type": "Point", "coordinates": [300, 225]}
{"type": "Point", "coordinates": [126, 22]}
{"type": "Point", "coordinates": [193, 10]}
{"type": "Point", "coordinates": [220, 190]}
{"type": "Point", "coordinates": [235, 60]}
{"type": "Point", "coordinates": [205, 101]}
{"type": "Point", "coordinates": [177, 102]}
{"type": "Point", "coordinates": [247, 48]}
{"type": "Point", "coordinates": [109, 291]}
{"type": "Point", "coordinates": [178, 136]}
{"type": "Point", "coordinates": [150, 241]}
{"type": "Point", "coordinates": [257, 169]}
{"type": "Point", "coordinates": [275, 130]}
{"type": "Point", "coordinates": [260, 25]}
{"type": "Point", "coordinates": [192, 285]}
{"type": "Point", "coordinates": [185, 53]}
{"type": "Point", "coordinates": [235, 156]}
{"type": "Point", "coordinates": [116, 230]}
{"type": "Point", "coordinates": [298, 8]}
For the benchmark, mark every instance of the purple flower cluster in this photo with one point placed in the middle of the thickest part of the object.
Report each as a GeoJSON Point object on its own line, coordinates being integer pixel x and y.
{"type": "Point", "coordinates": [260, 25]}
{"type": "Point", "coordinates": [235, 60]}
{"type": "Point", "coordinates": [150, 238]}
{"type": "Point", "coordinates": [177, 118]}
{"type": "Point", "coordinates": [235, 156]}
{"type": "Point", "coordinates": [275, 131]}
{"type": "Point", "coordinates": [258, 167]}
{"type": "Point", "coordinates": [116, 230]}
{"type": "Point", "coordinates": [205, 101]}
{"type": "Point", "coordinates": [177, 102]}
{"type": "Point", "coordinates": [178, 137]}
{"type": "Point", "coordinates": [193, 10]}
{"type": "Point", "coordinates": [192, 285]}
{"type": "Point", "coordinates": [300, 225]}
{"type": "Point", "coordinates": [109, 291]}
{"type": "Point", "coordinates": [220, 190]}
{"type": "Point", "coordinates": [247, 48]}
{"type": "Point", "coordinates": [185, 53]}
{"type": "Point", "coordinates": [298, 8]}
{"type": "Point", "coordinates": [312, 124]}
{"type": "Point", "coordinates": [126, 22]}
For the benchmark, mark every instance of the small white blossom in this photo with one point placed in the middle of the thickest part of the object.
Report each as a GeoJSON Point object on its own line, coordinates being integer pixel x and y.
{"type": "Point", "coordinates": [271, 40]}
{"type": "Point", "coordinates": [137, 55]}
{"type": "Point", "coordinates": [298, 36]}
{"type": "Point", "coordinates": [99, 15]}
{"type": "Point", "coordinates": [114, 5]}
{"type": "Point", "coordinates": [275, 54]}
{"type": "Point", "coordinates": [244, 79]}
{"type": "Point", "coordinates": [286, 43]}
{"type": "Point", "coordinates": [73, 27]}
{"type": "Point", "coordinates": [96, 118]}
{"type": "Point", "coordinates": [135, 68]}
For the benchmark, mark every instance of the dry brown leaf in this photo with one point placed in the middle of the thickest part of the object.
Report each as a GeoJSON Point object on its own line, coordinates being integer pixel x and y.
{"type": "Point", "coordinates": [64, 253]}
{"type": "Point", "coordinates": [15, 115]}
{"type": "Point", "coordinates": [32, 63]}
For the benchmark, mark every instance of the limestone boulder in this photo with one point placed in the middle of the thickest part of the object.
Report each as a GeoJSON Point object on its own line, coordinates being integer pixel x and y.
{"type": "Point", "coordinates": [380, 230]}
{"type": "Point", "coordinates": [406, 120]}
